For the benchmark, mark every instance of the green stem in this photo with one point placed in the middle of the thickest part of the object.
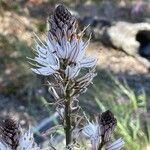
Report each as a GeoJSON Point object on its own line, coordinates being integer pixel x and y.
{"type": "Point", "coordinates": [68, 121]}
{"type": "Point", "coordinates": [100, 147]}
{"type": "Point", "coordinates": [101, 144]}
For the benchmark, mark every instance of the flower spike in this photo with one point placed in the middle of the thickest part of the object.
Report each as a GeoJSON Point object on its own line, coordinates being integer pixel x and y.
{"type": "Point", "coordinates": [14, 138]}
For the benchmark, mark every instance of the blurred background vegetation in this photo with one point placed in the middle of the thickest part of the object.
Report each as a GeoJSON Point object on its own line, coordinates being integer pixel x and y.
{"type": "Point", "coordinates": [122, 84]}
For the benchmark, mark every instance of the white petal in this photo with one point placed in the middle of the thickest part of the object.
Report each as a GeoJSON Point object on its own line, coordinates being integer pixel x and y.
{"type": "Point", "coordinates": [52, 59]}
{"type": "Point", "coordinates": [81, 52]}
{"type": "Point", "coordinates": [47, 62]}
{"type": "Point", "coordinates": [45, 57]}
{"type": "Point", "coordinates": [38, 40]}
{"type": "Point", "coordinates": [68, 50]}
{"type": "Point", "coordinates": [88, 62]}
{"type": "Point", "coordinates": [85, 45]}
{"type": "Point", "coordinates": [26, 142]}
{"type": "Point", "coordinates": [73, 41]}
{"type": "Point", "coordinates": [41, 61]}
{"type": "Point", "coordinates": [50, 46]}
{"type": "Point", "coordinates": [90, 130]}
{"type": "Point", "coordinates": [65, 47]}
{"type": "Point", "coordinates": [40, 50]}
{"type": "Point", "coordinates": [117, 145]}
{"type": "Point", "coordinates": [82, 47]}
{"type": "Point", "coordinates": [72, 71]}
{"type": "Point", "coordinates": [75, 51]}
{"type": "Point", "coordinates": [44, 70]}
{"type": "Point", "coordinates": [51, 43]}
{"type": "Point", "coordinates": [95, 143]}
{"type": "Point", "coordinates": [59, 51]}
{"type": "Point", "coordinates": [3, 146]}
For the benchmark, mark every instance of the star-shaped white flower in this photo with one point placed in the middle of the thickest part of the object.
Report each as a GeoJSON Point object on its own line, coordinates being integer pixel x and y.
{"type": "Point", "coordinates": [73, 50]}
{"type": "Point", "coordinates": [92, 132]}
{"type": "Point", "coordinates": [45, 62]}
{"type": "Point", "coordinates": [117, 145]}
{"type": "Point", "coordinates": [27, 142]}
{"type": "Point", "coordinates": [3, 146]}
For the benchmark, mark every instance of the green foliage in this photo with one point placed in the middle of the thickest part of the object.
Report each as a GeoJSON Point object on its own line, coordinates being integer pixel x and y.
{"type": "Point", "coordinates": [130, 110]}
{"type": "Point", "coordinates": [41, 27]}
{"type": "Point", "coordinates": [13, 58]}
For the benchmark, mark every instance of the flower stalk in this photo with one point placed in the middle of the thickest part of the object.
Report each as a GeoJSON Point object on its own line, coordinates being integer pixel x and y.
{"type": "Point", "coordinates": [67, 114]}
{"type": "Point", "coordinates": [63, 57]}
{"type": "Point", "coordinates": [68, 120]}
{"type": "Point", "coordinates": [101, 144]}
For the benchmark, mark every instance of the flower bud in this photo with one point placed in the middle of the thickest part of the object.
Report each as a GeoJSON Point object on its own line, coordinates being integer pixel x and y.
{"type": "Point", "coordinates": [10, 133]}
{"type": "Point", "coordinates": [108, 122]}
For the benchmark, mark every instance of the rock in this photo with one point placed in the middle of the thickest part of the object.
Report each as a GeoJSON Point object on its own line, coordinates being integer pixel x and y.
{"type": "Point", "coordinates": [123, 35]}
{"type": "Point", "coordinates": [133, 39]}
{"type": "Point", "coordinates": [146, 51]}
{"type": "Point", "coordinates": [143, 37]}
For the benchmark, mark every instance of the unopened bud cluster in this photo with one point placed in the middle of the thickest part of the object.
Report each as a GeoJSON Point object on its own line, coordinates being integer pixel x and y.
{"type": "Point", "coordinates": [12, 137]}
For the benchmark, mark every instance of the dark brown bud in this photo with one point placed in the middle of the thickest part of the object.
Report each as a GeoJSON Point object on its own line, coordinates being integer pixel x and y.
{"type": "Point", "coordinates": [62, 20]}
{"type": "Point", "coordinates": [10, 133]}
{"type": "Point", "coordinates": [108, 122]}
{"type": "Point", "coordinates": [107, 118]}
{"type": "Point", "coordinates": [61, 14]}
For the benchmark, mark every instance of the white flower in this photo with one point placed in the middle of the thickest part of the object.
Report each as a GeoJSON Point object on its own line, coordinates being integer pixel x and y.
{"type": "Point", "coordinates": [88, 62]}
{"type": "Point", "coordinates": [46, 61]}
{"type": "Point", "coordinates": [117, 145]}
{"type": "Point", "coordinates": [72, 71]}
{"type": "Point", "coordinates": [76, 53]}
{"type": "Point", "coordinates": [3, 146]}
{"type": "Point", "coordinates": [92, 132]}
{"type": "Point", "coordinates": [26, 141]}
{"type": "Point", "coordinates": [73, 50]}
